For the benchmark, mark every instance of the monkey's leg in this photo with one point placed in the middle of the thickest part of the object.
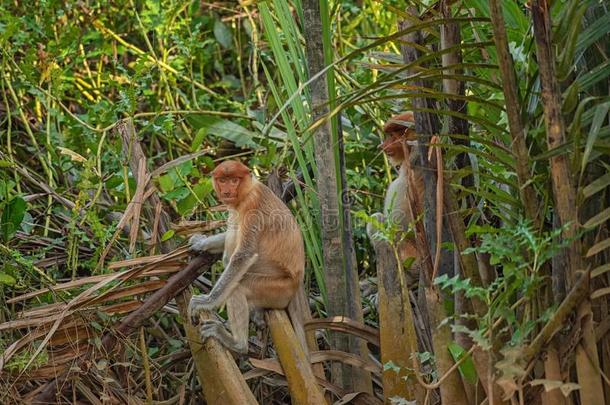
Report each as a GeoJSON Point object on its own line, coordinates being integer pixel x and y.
{"type": "Point", "coordinates": [237, 309]}
{"type": "Point", "coordinates": [226, 284]}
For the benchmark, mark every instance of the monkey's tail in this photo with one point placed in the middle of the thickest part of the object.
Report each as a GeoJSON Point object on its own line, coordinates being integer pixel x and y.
{"type": "Point", "coordinates": [296, 312]}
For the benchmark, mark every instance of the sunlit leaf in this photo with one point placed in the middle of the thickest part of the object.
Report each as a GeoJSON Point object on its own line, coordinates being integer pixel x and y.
{"type": "Point", "coordinates": [466, 368]}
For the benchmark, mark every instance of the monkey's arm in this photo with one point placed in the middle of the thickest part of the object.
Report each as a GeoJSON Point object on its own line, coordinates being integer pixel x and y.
{"type": "Point", "coordinates": [372, 227]}
{"type": "Point", "coordinates": [240, 262]}
{"type": "Point", "coordinates": [211, 244]}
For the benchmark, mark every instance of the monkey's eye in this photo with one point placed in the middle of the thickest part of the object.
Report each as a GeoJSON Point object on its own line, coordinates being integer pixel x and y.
{"type": "Point", "coordinates": [234, 180]}
{"type": "Point", "coordinates": [222, 180]}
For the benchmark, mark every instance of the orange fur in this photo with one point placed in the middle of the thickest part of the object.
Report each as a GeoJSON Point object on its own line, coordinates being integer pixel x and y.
{"type": "Point", "coordinates": [263, 254]}
{"type": "Point", "coordinates": [396, 204]}
{"type": "Point", "coordinates": [281, 256]}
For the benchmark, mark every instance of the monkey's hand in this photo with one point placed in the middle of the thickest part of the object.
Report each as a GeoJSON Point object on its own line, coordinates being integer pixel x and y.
{"type": "Point", "coordinates": [199, 304]}
{"type": "Point", "coordinates": [197, 243]}
{"type": "Point", "coordinates": [372, 226]}
{"type": "Point", "coordinates": [201, 243]}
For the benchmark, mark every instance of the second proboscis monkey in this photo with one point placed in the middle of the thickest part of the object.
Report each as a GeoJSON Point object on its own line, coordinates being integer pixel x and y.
{"type": "Point", "coordinates": [263, 255]}
{"type": "Point", "coordinates": [399, 134]}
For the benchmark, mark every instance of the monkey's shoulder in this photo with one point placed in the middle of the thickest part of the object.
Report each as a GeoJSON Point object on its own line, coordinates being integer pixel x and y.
{"type": "Point", "coordinates": [396, 195]}
{"type": "Point", "coordinates": [269, 198]}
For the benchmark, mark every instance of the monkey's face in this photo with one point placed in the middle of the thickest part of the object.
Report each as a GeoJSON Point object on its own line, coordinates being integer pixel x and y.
{"type": "Point", "coordinates": [227, 189]}
{"type": "Point", "coordinates": [230, 178]}
{"type": "Point", "coordinates": [392, 147]}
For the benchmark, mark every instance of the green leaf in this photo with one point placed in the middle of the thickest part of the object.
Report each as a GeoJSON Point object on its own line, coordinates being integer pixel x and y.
{"type": "Point", "coordinates": [7, 279]}
{"type": "Point", "coordinates": [184, 169]}
{"type": "Point", "coordinates": [595, 75]}
{"type": "Point", "coordinates": [569, 44]}
{"type": "Point", "coordinates": [476, 335]}
{"type": "Point", "coordinates": [203, 188]}
{"type": "Point", "coordinates": [177, 194]}
{"type": "Point", "coordinates": [12, 216]}
{"type": "Point", "coordinates": [408, 262]}
{"type": "Point", "coordinates": [466, 368]}
{"type": "Point", "coordinates": [596, 186]}
{"type": "Point", "coordinates": [230, 130]}
{"type": "Point", "coordinates": [166, 182]}
{"type": "Point", "coordinates": [198, 140]}
{"type": "Point", "coordinates": [223, 34]}
{"type": "Point", "coordinates": [593, 32]}
{"type": "Point", "coordinates": [391, 366]}
{"type": "Point", "coordinates": [601, 111]}
{"type": "Point", "coordinates": [114, 182]}
{"type": "Point", "coordinates": [168, 235]}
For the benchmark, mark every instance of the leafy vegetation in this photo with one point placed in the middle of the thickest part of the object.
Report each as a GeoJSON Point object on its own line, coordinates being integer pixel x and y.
{"type": "Point", "coordinates": [203, 81]}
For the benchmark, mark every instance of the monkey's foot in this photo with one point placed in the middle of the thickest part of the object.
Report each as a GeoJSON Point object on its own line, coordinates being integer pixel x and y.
{"type": "Point", "coordinates": [211, 328]}
{"type": "Point", "coordinates": [258, 318]}
{"type": "Point", "coordinates": [215, 329]}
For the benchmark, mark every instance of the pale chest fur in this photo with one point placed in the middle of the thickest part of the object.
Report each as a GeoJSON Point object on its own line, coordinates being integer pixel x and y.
{"type": "Point", "coordinates": [231, 238]}
{"type": "Point", "coordinates": [395, 207]}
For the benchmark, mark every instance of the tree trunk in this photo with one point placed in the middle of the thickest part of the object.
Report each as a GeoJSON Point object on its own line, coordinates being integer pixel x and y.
{"type": "Point", "coordinates": [340, 279]}
{"type": "Point", "coordinates": [426, 125]}
{"type": "Point", "coordinates": [451, 37]}
{"type": "Point", "coordinates": [361, 379]}
{"type": "Point", "coordinates": [397, 337]}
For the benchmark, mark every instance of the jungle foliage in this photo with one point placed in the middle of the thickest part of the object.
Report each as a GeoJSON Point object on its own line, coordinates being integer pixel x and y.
{"type": "Point", "coordinates": [524, 200]}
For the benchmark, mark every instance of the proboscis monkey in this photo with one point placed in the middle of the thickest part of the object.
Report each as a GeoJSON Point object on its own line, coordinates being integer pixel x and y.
{"type": "Point", "coordinates": [400, 134]}
{"type": "Point", "coordinates": [263, 256]}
